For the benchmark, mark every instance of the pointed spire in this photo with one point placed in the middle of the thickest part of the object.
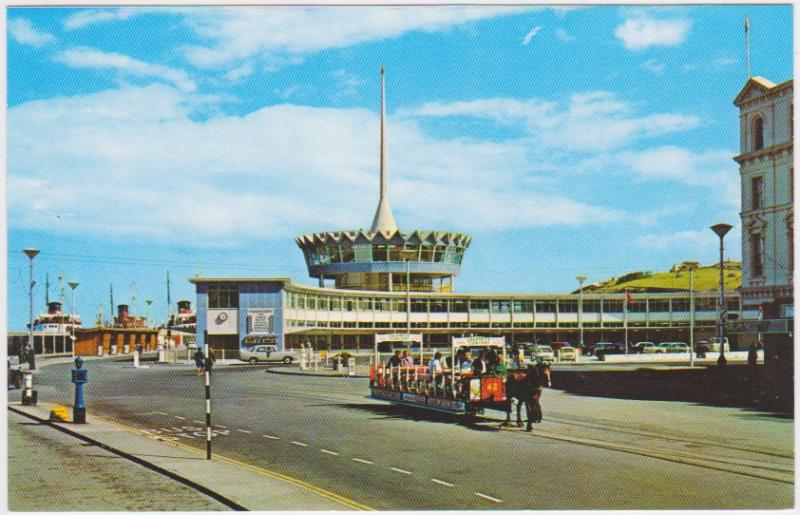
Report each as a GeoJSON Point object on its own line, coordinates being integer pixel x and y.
{"type": "Point", "coordinates": [384, 219]}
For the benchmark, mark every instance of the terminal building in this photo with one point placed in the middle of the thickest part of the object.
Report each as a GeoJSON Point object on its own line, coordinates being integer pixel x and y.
{"type": "Point", "coordinates": [389, 280]}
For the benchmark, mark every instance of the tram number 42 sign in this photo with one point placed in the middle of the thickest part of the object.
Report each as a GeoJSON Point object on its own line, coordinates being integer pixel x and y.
{"type": "Point", "coordinates": [174, 434]}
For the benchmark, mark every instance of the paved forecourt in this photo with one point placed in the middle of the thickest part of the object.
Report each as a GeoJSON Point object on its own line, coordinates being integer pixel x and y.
{"type": "Point", "coordinates": [324, 432]}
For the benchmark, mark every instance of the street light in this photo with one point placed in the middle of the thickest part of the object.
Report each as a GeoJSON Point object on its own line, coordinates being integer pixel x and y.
{"type": "Point", "coordinates": [407, 255]}
{"type": "Point", "coordinates": [73, 285]}
{"type": "Point", "coordinates": [721, 230]}
{"type": "Point", "coordinates": [31, 253]}
{"type": "Point", "coordinates": [580, 279]}
{"type": "Point", "coordinates": [691, 267]}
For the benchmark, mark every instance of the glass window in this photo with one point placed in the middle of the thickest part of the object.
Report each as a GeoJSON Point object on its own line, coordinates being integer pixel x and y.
{"type": "Point", "coordinates": [758, 133]}
{"type": "Point", "coordinates": [419, 306]}
{"type": "Point", "coordinates": [705, 304]}
{"type": "Point", "coordinates": [568, 306]}
{"type": "Point", "coordinates": [757, 192]}
{"type": "Point", "coordinates": [363, 253]}
{"type": "Point", "coordinates": [545, 306]}
{"type": "Point", "coordinates": [395, 252]}
{"type": "Point", "coordinates": [347, 254]}
{"type": "Point", "coordinates": [458, 306]}
{"type": "Point", "coordinates": [637, 306]}
{"type": "Point", "coordinates": [426, 253]}
{"type": "Point", "coordinates": [522, 306]}
{"type": "Point", "coordinates": [500, 306]}
{"type": "Point", "coordinates": [438, 253]}
{"type": "Point", "coordinates": [756, 255]}
{"type": "Point", "coordinates": [223, 296]}
{"type": "Point", "coordinates": [334, 254]}
{"type": "Point", "coordinates": [680, 306]}
{"type": "Point", "coordinates": [348, 304]}
{"type": "Point", "coordinates": [399, 306]}
{"type": "Point", "coordinates": [365, 304]}
{"type": "Point", "coordinates": [438, 306]}
{"type": "Point", "coordinates": [591, 306]}
{"type": "Point", "coordinates": [379, 253]}
{"type": "Point", "coordinates": [336, 304]}
{"type": "Point", "coordinates": [612, 306]}
{"type": "Point", "coordinates": [659, 305]}
{"type": "Point", "coordinates": [479, 306]}
{"type": "Point", "coordinates": [323, 304]}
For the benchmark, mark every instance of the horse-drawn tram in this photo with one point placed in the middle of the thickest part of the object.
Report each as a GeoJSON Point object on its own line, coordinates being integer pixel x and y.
{"type": "Point", "coordinates": [458, 385]}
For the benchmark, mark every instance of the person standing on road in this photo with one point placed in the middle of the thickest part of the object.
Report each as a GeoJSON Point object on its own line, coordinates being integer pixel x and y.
{"type": "Point", "coordinates": [752, 360]}
{"type": "Point", "coordinates": [198, 361]}
{"type": "Point", "coordinates": [210, 360]}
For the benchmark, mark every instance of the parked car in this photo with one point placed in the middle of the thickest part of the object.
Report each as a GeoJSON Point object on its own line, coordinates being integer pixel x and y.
{"type": "Point", "coordinates": [636, 348]}
{"type": "Point", "coordinates": [266, 353]}
{"type": "Point", "coordinates": [673, 347]}
{"type": "Point", "coordinates": [647, 348]}
{"type": "Point", "coordinates": [713, 344]}
{"type": "Point", "coordinates": [567, 353]}
{"type": "Point", "coordinates": [557, 345]}
{"type": "Point", "coordinates": [542, 351]}
{"type": "Point", "coordinates": [604, 348]}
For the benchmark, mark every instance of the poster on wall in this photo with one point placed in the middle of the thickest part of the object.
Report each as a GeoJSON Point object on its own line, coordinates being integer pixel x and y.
{"type": "Point", "coordinates": [261, 321]}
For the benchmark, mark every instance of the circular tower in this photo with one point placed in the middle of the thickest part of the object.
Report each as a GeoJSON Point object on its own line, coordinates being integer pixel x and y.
{"type": "Point", "coordinates": [385, 258]}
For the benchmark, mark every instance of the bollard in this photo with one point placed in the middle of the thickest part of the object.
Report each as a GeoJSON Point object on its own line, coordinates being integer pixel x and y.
{"type": "Point", "coordinates": [126, 348]}
{"type": "Point", "coordinates": [79, 376]}
{"type": "Point", "coordinates": [351, 367]}
{"type": "Point", "coordinates": [316, 362]}
{"type": "Point", "coordinates": [100, 350]}
{"type": "Point", "coordinates": [136, 358]}
{"type": "Point", "coordinates": [28, 394]}
{"type": "Point", "coordinates": [113, 349]}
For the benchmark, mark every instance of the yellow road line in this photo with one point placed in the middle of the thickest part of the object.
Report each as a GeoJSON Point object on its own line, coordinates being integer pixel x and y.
{"type": "Point", "coordinates": [269, 473]}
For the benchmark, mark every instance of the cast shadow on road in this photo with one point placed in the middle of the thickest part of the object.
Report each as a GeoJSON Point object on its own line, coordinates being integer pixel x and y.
{"type": "Point", "coordinates": [704, 386]}
{"type": "Point", "coordinates": [394, 411]}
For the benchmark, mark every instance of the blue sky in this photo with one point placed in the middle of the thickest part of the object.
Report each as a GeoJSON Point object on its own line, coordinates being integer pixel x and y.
{"type": "Point", "coordinates": [202, 140]}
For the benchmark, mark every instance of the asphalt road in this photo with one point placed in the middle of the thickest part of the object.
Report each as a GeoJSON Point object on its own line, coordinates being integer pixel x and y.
{"type": "Point", "coordinates": [324, 431]}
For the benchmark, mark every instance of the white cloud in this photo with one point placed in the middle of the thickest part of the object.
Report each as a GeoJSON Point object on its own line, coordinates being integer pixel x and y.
{"type": "Point", "coordinates": [23, 32]}
{"type": "Point", "coordinates": [90, 58]}
{"type": "Point", "coordinates": [238, 34]}
{"type": "Point", "coordinates": [653, 66]}
{"type": "Point", "coordinates": [588, 122]}
{"type": "Point", "coordinates": [140, 162]}
{"type": "Point", "coordinates": [530, 35]}
{"type": "Point", "coordinates": [239, 73]}
{"type": "Point", "coordinates": [641, 31]}
{"type": "Point", "coordinates": [564, 36]}
{"type": "Point", "coordinates": [91, 16]}
{"type": "Point", "coordinates": [701, 241]}
{"type": "Point", "coordinates": [711, 169]}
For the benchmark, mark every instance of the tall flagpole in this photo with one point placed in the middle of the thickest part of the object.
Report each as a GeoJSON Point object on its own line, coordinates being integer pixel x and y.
{"type": "Point", "coordinates": [747, 44]}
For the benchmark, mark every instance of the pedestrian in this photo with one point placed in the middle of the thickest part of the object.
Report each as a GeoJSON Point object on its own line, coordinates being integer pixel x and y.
{"type": "Point", "coordinates": [302, 356]}
{"type": "Point", "coordinates": [407, 360]}
{"type": "Point", "coordinates": [199, 362]}
{"type": "Point", "coordinates": [210, 360]}
{"type": "Point", "coordinates": [752, 360]}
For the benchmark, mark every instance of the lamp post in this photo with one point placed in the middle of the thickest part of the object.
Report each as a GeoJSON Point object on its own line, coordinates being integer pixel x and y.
{"type": "Point", "coordinates": [721, 230]}
{"type": "Point", "coordinates": [73, 285]}
{"type": "Point", "coordinates": [31, 253]}
{"type": "Point", "coordinates": [691, 267]}
{"type": "Point", "coordinates": [408, 255]}
{"type": "Point", "coordinates": [580, 279]}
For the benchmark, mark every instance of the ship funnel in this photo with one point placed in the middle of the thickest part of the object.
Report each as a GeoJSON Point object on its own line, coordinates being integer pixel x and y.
{"type": "Point", "coordinates": [122, 312]}
{"type": "Point", "coordinates": [184, 306]}
{"type": "Point", "coordinates": [53, 308]}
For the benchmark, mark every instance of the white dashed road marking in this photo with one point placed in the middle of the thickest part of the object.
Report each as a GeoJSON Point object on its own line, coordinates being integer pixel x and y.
{"type": "Point", "coordinates": [198, 421]}
{"type": "Point", "coordinates": [180, 418]}
{"type": "Point", "coordinates": [326, 451]}
{"type": "Point", "coordinates": [244, 431]}
{"type": "Point", "coordinates": [301, 444]}
{"type": "Point", "coordinates": [487, 497]}
{"type": "Point", "coordinates": [401, 471]}
{"type": "Point", "coordinates": [219, 426]}
{"type": "Point", "coordinates": [443, 483]}
{"type": "Point", "coordinates": [271, 437]}
{"type": "Point", "coordinates": [363, 461]}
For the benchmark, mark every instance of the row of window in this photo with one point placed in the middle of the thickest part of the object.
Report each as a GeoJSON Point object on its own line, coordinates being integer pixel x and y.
{"type": "Point", "coordinates": [334, 324]}
{"type": "Point", "coordinates": [324, 303]}
{"type": "Point", "coordinates": [365, 253]}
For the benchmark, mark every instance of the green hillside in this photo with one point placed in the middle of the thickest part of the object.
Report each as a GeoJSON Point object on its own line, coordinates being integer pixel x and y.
{"type": "Point", "coordinates": [677, 279]}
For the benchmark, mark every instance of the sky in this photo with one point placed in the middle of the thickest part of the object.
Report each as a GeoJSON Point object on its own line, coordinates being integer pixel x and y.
{"type": "Point", "coordinates": [203, 140]}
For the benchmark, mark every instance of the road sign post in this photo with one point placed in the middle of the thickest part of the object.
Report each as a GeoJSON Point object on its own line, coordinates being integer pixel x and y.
{"type": "Point", "coordinates": [208, 400]}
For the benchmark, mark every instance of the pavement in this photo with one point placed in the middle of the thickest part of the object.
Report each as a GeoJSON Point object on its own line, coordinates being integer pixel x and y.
{"type": "Point", "coordinates": [90, 478]}
{"type": "Point", "coordinates": [177, 473]}
{"type": "Point", "coordinates": [589, 453]}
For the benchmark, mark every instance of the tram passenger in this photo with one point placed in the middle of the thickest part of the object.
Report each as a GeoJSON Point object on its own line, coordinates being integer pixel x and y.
{"type": "Point", "coordinates": [479, 367]}
{"type": "Point", "coordinates": [436, 371]}
{"type": "Point", "coordinates": [407, 360]}
{"type": "Point", "coordinates": [466, 362]}
{"type": "Point", "coordinates": [491, 358]}
{"type": "Point", "coordinates": [394, 367]}
{"type": "Point", "coordinates": [501, 369]}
